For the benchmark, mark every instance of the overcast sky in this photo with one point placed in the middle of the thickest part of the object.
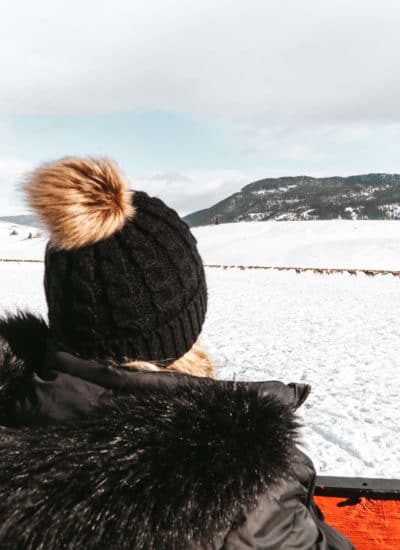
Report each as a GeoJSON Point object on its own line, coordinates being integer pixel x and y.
{"type": "Point", "coordinates": [196, 99]}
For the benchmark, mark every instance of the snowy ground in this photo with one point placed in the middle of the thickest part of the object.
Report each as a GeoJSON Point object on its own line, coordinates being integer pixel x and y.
{"type": "Point", "coordinates": [19, 245]}
{"type": "Point", "coordinates": [340, 333]}
{"type": "Point", "coordinates": [336, 243]}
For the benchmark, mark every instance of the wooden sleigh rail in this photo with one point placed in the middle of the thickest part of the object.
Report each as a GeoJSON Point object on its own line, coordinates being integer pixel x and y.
{"type": "Point", "coordinates": [366, 510]}
{"type": "Point", "coordinates": [358, 486]}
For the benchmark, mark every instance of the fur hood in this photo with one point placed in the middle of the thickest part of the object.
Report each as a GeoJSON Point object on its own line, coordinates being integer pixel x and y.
{"type": "Point", "coordinates": [95, 456]}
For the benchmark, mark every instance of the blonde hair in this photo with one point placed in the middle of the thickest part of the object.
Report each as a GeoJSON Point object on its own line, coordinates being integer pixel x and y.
{"type": "Point", "coordinates": [195, 362]}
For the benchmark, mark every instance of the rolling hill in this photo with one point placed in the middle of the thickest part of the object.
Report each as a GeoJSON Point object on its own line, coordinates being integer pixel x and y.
{"type": "Point", "coordinates": [363, 197]}
{"type": "Point", "coordinates": [24, 219]}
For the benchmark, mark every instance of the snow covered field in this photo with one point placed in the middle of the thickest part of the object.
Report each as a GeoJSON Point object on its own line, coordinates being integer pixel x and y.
{"type": "Point", "coordinates": [340, 333]}
{"type": "Point", "coordinates": [19, 245]}
{"type": "Point", "coordinates": [333, 244]}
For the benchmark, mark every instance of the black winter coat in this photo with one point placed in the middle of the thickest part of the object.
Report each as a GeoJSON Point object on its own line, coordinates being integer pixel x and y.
{"type": "Point", "coordinates": [96, 456]}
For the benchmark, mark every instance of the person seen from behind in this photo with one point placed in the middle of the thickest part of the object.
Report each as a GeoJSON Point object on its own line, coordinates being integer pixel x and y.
{"type": "Point", "coordinates": [114, 433]}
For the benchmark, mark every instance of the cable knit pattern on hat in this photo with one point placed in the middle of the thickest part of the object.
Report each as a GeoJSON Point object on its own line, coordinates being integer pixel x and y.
{"type": "Point", "coordinates": [139, 294]}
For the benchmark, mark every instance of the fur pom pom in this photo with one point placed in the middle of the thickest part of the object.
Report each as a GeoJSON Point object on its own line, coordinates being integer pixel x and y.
{"type": "Point", "coordinates": [81, 201]}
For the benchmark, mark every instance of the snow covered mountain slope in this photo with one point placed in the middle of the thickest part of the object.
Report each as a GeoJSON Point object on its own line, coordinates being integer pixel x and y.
{"type": "Point", "coordinates": [339, 333]}
{"type": "Point", "coordinates": [362, 197]}
{"type": "Point", "coordinates": [22, 219]}
{"type": "Point", "coordinates": [334, 243]}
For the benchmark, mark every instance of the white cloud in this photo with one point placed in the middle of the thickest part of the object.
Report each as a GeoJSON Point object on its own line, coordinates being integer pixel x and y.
{"type": "Point", "coordinates": [7, 137]}
{"type": "Point", "coordinates": [261, 62]}
{"type": "Point", "coordinates": [11, 174]}
{"type": "Point", "coordinates": [303, 82]}
{"type": "Point", "coordinates": [193, 190]}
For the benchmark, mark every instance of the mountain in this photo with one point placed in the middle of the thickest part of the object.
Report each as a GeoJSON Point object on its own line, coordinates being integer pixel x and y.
{"type": "Point", "coordinates": [21, 220]}
{"type": "Point", "coordinates": [363, 197]}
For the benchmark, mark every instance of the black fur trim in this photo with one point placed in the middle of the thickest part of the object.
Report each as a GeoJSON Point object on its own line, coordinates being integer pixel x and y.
{"type": "Point", "coordinates": [151, 471]}
{"type": "Point", "coordinates": [26, 335]}
{"type": "Point", "coordinates": [23, 340]}
{"type": "Point", "coordinates": [12, 374]}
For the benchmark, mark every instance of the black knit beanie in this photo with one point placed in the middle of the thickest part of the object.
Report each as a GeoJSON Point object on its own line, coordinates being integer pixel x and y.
{"type": "Point", "coordinates": [123, 277]}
